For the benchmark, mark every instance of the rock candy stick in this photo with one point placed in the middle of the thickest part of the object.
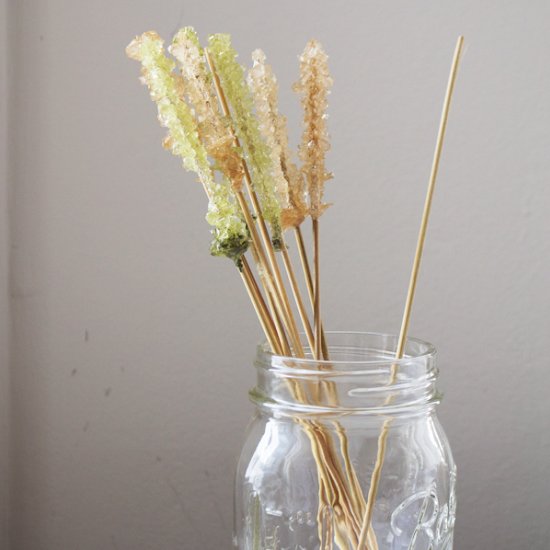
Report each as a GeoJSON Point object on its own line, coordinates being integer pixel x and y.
{"type": "Point", "coordinates": [313, 86]}
{"type": "Point", "coordinates": [289, 181]}
{"type": "Point", "coordinates": [231, 75]}
{"type": "Point", "coordinates": [167, 91]}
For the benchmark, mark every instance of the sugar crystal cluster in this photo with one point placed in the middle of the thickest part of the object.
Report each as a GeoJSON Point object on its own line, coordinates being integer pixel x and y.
{"type": "Point", "coordinates": [232, 76]}
{"type": "Point", "coordinates": [314, 84]}
{"type": "Point", "coordinates": [289, 180]}
{"type": "Point", "coordinates": [166, 90]}
{"type": "Point", "coordinates": [213, 129]}
{"type": "Point", "coordinates": [193, 137]}
{"type": "Point", "coordinates": [241, 134]}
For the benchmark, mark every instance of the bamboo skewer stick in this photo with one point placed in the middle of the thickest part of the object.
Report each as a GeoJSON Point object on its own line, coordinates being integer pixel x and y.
{"type": "Point", "coordinates": [309, 281]}
{"type": "Point", "coordinates": [331, 491]}
{"type": "Point", "coordinates": [282, 306]}
{"type": "Point", "coordinates": [285, 346]}
{"type": "Point", "coordinates": [293, 329]}
{"type": "Point", "coordinates": [274, 265]}
{"type": "Point", "coordinates": [272, 329]}
{"type": "Point", "coordinates": [353, 482]}
{"type": "Point", "coordinates": [318, 336]}
{"type": "Point", "coordinates": [297, 296]}
{"type": "Point", "coordinates": [314, 388]}
{"type": "Point", "coordinates": [375, 479]}
{"type": "Point", "coordinates": [356, 494]}
{"type": "Point", "coordinates": [317, 289]}
{"type": "Point", "coordinates": [329, 387]}
{"type": "Point", "coordinates": [281, 311]}
{"type": "Point", "coordinates": [260, 306]}
{"type": "Point", "coordinates": [428, 203]}
{"type": "Point", "coordinates": [259, 255]}
{"type": "Point", "coordinates": [333, 477]}
{"type": "Point", "coordinates": [271, 324]}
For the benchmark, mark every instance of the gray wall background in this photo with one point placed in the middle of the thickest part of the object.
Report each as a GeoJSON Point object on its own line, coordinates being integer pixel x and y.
{"type": "Point", "coordinates": [131, 348]}
{"type": "Point", "coordinates": [4, 289]}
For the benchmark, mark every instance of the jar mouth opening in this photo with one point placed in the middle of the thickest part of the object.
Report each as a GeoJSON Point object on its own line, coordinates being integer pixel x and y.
{"type": "Point", "coordinates": [351, 352]}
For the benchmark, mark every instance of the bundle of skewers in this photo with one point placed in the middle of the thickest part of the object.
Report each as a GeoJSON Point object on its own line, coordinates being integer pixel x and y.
{"type": "Point", "coordinates": [224, 123]}
{"type": "Point", "coordinates": [226, 127]}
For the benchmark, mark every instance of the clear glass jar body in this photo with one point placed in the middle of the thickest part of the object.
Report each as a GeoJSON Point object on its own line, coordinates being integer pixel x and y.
{"type": "Point", "coordinates": [321, 432]}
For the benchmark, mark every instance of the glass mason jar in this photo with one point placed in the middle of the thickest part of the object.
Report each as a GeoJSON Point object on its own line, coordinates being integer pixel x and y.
{"type": "Point", "coordinates": [323, 431]}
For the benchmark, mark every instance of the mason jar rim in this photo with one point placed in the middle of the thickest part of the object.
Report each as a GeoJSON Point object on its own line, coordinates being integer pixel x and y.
{"type": "Point", "coordinates": [268, 359]}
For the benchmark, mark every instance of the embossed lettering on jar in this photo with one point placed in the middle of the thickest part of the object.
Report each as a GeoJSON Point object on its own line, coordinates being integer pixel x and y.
{"type": "Point", "coordinates": [307, 463]}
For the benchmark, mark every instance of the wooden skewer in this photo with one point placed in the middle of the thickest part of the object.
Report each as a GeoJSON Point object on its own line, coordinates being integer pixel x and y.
{"type": "Point", "coordinates": [317, 289]}
{"type": "Point", "coordinates": [375, 479]}
{"type": "Point", "coordinates": [260, 307]}
{"type": "Point", "coordinates": [285, 346]}
{"type": "Point", "coordinates": [293, 329]}
{"type": "Point", "coordinates": [272, 328]}
{"type": "Point", "coordinates": [333, 487]}
{"type": "Point", "coordinates": [356, 496]}
{"type": "Point", "coordinates": [259, 255]}
{"type": "Point", "coordinates": [297, 296]}
{"type": "Point", "coordinates": [309, 282]}
{"type": "Point", "coordinates": [428, 204]}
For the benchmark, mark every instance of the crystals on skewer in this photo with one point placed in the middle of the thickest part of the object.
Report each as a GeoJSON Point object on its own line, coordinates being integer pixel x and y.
{"type": "Point", "coordinates": [289, 181]}
{"type": "Point", "coordinates": [313, 86]}
{"type": "Point", "coordinates": [184, 139]}
{"type": "Point", "coordinates": [239, 97]}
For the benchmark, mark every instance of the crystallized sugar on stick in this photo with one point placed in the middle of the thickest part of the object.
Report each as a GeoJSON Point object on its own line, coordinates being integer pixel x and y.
{"type": "Point", "coordinates": [263, 85]}
{"type": "Point", "coordinates": [167, 91]}
{"type": "Point", "coordinates": [231, 75]}
{"type": "Point", "coordinates": [313, 86]}
{"type": "Point", "coordinates": [296, 209]}
{"type": "Point", "coordinates": [289, 181]}
{"type": "Point", "coordinates": [231, 235]}
{"type": "Point", "coordinates": [213, 129]}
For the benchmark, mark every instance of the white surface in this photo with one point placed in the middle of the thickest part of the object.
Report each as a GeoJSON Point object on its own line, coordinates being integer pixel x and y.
{"type": "Point", "coordinates": [131, 348]}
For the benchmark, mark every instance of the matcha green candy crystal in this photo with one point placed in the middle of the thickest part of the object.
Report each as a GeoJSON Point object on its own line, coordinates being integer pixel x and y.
{"type": "Point", "coordinates": [167, 91]}
{"type": "Point", "coordinates": [258, 154]}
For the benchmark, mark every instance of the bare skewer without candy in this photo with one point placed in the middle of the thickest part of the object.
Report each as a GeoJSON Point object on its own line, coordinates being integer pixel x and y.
{"type": "Point", "coordinates": [402, 340]}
